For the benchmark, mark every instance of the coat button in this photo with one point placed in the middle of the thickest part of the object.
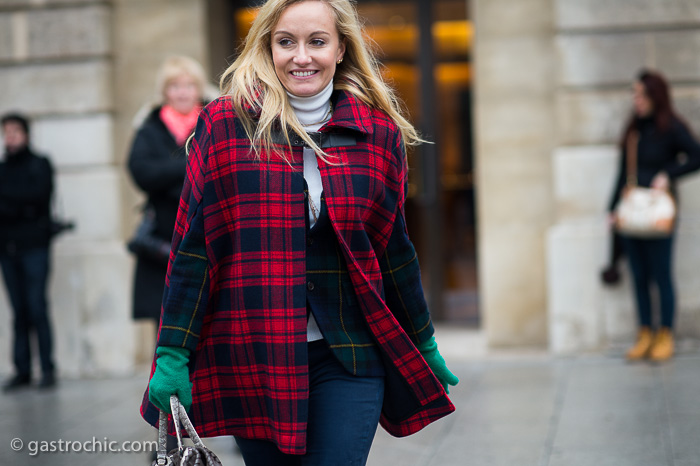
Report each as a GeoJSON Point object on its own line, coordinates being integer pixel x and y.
{"type": "Point", "coordinates": [309, 241]}
{"type": "Point", "coordinates": [310, 286]}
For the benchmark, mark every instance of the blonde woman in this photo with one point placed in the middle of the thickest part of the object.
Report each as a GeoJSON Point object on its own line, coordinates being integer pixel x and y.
{"type": "Point", "coordinates": [293, 316]}
{"type": "Point", "coordinates": [157, 164]}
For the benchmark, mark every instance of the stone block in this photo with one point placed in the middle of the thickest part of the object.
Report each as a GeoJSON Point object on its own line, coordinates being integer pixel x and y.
{"type": "Point", "coordinates": [577, 312]}
{"type": "Point", "coordinates": [515, 66]}
{"type": "Point", "coordinates": [689, 199]}
{"type": "Point", "coordinates": [6, 36]}
{"type": "Point", "coordinates": [506, 18]}
{"type": "Point", "coordinates": [592, 117]}
{"type": "Point", "coordinates": [512, 278]}
{"type": "Point", "coordinates": [91, 300]}
{"type": "Point", "coordinates": [75, 142]}
{"type": "Point", "coordinates": [92, 199]}
{"type": "Point", "coordinates": [67, 32]}
{"type": "Point", "coordinates": [686, 260]}
{"type": "Point", "coordinates": [584, 178]}
{"type": "Point", "coordinates": [67, 88]}
{"type": "Point", "coordinates": [604, 14]}
{"type": "Point", "coordinates": [583, 315]}
{"type": "Point", "coordinates": [600, 59]}
{"type": "Point", "coordinates": [687, 103]}
{"type": "Point", "coordinates": [524, 122]}
{"type": "Point", "coordinates": [677, 54]}
{"type": "Point", "coordinates": [515, 197]}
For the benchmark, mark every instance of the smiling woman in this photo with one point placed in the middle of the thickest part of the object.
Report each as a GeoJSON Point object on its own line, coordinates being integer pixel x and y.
{"type": "Point", "coordinates": [306, 48]}
{"type": "Point", "coordinates": [293, 315]}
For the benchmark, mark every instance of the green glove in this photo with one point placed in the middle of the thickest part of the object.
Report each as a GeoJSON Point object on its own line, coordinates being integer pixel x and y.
{"type": "Point", "coordinates": [428, 349]}
{"type": "Point", "coordinates": [171, 377]}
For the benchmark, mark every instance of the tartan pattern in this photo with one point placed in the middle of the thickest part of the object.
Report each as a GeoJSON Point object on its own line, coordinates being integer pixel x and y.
{"type": "Point", "coordinates": [337, 310]}
{"type": "Point", "coordinates": [249, 368]}
{"type": "Point", "coordinates": [334, 305]}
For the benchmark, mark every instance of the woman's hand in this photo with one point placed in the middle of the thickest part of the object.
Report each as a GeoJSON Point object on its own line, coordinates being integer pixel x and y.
{"type": "Point", "coordinates": [661, 181]}
{"type": "Point", "coordinates": [428, 349]}
{"type": "Point", "coordinates": [170, 378]}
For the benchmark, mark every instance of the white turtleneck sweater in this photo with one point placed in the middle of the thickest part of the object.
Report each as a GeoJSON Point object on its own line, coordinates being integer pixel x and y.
{"type": "Point", "coordinates": [313, 112]}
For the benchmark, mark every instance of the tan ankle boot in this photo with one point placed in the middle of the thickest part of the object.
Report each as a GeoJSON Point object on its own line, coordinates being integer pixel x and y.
{"type": "Point", "coordinates": [663, 346]}
{"type": "Point", "coordinates": [642, 346]}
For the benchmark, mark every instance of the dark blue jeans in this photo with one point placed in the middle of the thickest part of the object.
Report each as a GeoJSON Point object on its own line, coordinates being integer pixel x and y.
{"type": "Point", "coordinates": [343, 417]}
{"type": "Point", "coordinates": [650, 261]}
{"type": "Point", "coordinates": [26, 277]}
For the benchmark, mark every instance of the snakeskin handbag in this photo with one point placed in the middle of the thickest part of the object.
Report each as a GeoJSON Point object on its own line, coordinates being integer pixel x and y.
{"type": "Point", "coordinates": [198, 455]}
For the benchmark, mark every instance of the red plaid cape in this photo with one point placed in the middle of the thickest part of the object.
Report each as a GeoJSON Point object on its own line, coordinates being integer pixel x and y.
{"type": "Point", "coordinates": [235, 288]}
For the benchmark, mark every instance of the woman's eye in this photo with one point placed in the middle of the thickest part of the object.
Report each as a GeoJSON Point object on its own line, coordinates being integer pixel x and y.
{"type": "Point", "coordinates": [285, 42]}
{"type": "Point", "coordinates": [318, 42]}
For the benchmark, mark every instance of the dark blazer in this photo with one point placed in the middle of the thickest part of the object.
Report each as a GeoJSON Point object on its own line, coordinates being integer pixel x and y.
{"type": "Point", "coordinates": [26, 185]}
{"type": "Point", "coordinates": [157, 165]}
{"type": "Point", "coordinates": [236, 287]}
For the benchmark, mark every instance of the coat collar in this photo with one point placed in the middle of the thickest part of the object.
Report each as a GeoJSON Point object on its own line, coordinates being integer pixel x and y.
{"type": "Point", "coordinates": [350, 112]}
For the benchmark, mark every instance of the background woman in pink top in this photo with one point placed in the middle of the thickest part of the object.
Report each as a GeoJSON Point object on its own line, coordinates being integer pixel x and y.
{"type": "Point", "coordinates": [157, 165]}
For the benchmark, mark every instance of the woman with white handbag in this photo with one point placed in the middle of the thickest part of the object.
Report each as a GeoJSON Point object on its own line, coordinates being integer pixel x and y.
{"type": "Point", "coordinates": [643, 207]}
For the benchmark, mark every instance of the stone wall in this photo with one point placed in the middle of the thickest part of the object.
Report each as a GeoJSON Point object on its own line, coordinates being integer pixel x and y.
{"type": "Point", "coordinates": [81, 69]}
{"type": "Point", "coordinates": [601, 46]}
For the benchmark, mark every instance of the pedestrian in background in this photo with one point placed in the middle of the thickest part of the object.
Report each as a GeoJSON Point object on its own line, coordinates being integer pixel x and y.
{"type": "Point", "coordinates": [663, 138]}
{"type": "Point", "coordinates": [26, 186]}
{"type": "Point", "coordinates": [293, 315]}
{"type": "Point", "coordinates": [157, 165]}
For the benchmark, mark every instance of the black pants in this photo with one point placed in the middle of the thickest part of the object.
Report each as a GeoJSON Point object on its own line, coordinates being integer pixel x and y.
{"type": "Point", "coordinates": [26, 278]}
{"type": "Point", "coordinates": [651, 262]}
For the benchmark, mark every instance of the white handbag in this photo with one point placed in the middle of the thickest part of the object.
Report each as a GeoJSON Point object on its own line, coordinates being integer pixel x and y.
{"type": "Point", "coordinates": [643, 212]}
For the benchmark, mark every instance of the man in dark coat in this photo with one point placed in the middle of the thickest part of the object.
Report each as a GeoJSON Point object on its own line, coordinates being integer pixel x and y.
{"type": "Point", "coordinates": [26, 184]}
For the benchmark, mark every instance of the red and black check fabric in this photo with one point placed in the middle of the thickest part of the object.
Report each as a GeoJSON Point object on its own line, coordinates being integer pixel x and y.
{"type": "Point", "coordinates": [235, 292]}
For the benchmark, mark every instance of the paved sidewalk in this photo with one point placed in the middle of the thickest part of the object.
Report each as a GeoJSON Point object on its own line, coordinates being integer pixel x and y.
{"type": "Point", "coordinates": [513, 409]}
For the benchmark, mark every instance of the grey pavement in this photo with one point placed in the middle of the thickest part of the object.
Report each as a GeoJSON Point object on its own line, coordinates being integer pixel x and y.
{"type": "Point", "coordinates": [523, 408]}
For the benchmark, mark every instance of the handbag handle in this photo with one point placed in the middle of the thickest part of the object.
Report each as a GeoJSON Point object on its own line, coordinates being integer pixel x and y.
{"type": "Point", "coordinates": [179, 416]}
{"type": "Point", "coordinates": [632, 143]}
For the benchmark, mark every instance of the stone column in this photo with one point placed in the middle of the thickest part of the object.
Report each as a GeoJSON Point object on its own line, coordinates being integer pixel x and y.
{"type": "Point", "coordinates": [514, 114]}
{"type": "Point", "coordinates": [601, 47]}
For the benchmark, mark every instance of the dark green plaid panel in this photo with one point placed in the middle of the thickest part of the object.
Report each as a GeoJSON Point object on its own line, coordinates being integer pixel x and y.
{"type": "Point", "coordinates": [185, 299]}
{"type": "Point", "coordinates": [403, 290]}
{"type": "Point", "coordinates": [331, 298]}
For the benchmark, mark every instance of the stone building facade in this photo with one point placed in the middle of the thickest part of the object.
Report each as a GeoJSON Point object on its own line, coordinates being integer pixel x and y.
{"type": "Point", "coordinates": [551, 95]}
{"type": "Point", "coordinates": [81, 69]}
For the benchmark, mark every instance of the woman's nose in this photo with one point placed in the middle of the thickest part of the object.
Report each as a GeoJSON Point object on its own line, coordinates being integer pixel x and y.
{"type": "Point", "coordinates": [302, 57]}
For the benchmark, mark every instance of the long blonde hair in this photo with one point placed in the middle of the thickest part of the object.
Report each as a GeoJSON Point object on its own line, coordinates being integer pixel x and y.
{"type": "Point", "coordinates": [252, 83]}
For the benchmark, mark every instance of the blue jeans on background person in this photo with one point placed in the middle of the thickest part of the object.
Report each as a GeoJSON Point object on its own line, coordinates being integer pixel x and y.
{"type": "Point", "coordinates": [343, 416]}
{"type": "Point", "coordinates": [651, 261]}
{"type": "Point", "coordinates": [26, 278]}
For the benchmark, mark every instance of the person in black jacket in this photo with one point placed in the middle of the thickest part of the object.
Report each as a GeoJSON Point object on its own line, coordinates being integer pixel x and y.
{"type": "Point", "coordinates": [26, 185]}
{"type": "Point", "coordinates": [663, 137]}
{"type": "Point", "coordinates": [157, 164]}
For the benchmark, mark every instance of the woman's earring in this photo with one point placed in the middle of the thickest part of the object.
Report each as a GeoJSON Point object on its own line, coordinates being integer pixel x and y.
{"type": "Point", "coordinates": [340, 61]}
